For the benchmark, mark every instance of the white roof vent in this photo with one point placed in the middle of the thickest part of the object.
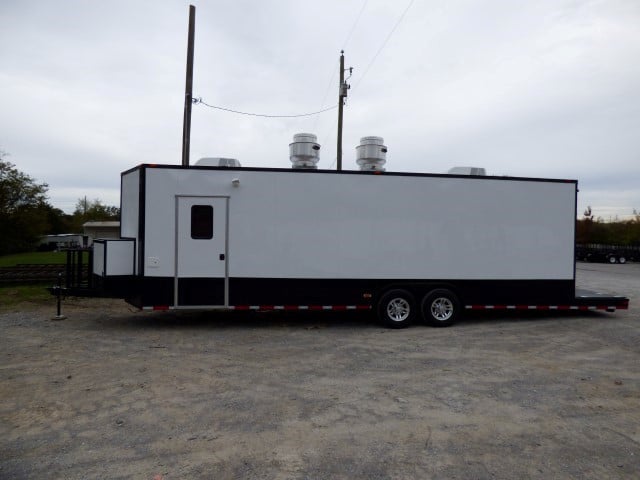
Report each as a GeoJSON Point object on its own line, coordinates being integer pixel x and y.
{"type": "Point", "coordinates": [304, 152]}
{"type": "Point", "coordinates": [218, 162]}
{"type": "Point", "coordinates": [371, 154]}
{"type": "Point", "coordinates": [478, 171]}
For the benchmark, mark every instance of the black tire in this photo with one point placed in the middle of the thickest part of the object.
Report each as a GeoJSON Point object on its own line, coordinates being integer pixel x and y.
{"type": "Point", "coordinates": [622, 259]}
{"type": "Point", "coordinates": [440, 308]}
{"type": "Point", "coordinates": [612, 259]}
{"type": "Point", "coordinates": [396, 309]}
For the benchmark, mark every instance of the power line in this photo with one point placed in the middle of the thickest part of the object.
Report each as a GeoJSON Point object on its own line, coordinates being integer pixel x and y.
{"type": "Point", "coordinates": [353, 27]}
{"type": "Point", "coordinates": [200, 101]}
{"type": "Point", "coordinates": [384, 43]}
{"type": "Point", "coordinates": [344, 45]}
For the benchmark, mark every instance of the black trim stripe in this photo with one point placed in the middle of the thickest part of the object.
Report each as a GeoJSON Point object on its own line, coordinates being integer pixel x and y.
{"type": "Point", "coordinates": [141, 219]}
{"type": "Point", "coordinates": [149, 292]}
{"type": "Point", "coordinates": [575, 233]}
{"type": "Point", "coordinates": [121, 182]}
{"type": "Point", "coordinates": [291, 291]}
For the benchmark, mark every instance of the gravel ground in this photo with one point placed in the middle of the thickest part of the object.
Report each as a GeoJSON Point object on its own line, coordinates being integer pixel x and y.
{"type": "Point", "coordinates": [111, 392]}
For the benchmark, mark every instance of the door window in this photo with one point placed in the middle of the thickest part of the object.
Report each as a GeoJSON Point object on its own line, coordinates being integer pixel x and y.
{"type": "Point", "coordinates": [201, 222]}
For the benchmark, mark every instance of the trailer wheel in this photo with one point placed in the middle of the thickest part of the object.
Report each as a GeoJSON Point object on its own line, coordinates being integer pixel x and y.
{"type": "Point", "coordinates": [612, 259]}
{"type": "Point", "coordinates": [397, 309]}
{"type": "Point", "coordinates": [440, 308]}
{"type": "Point", "coordinates": [622, 260]}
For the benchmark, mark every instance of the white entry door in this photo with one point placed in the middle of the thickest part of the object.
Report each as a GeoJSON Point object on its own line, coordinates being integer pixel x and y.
{"type": "Point", "coordinates": [201, 251]}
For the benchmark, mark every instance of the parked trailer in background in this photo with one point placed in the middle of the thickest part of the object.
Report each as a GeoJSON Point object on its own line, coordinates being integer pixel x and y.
{"type": "Point", "coordinates": [405, 245]}
{"type": "Point", "coordinates": [595, 252]}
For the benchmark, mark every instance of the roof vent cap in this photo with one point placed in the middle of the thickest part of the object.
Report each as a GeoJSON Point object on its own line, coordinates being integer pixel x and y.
{"type": "Point", "coordinates": [218, 162]}
{"type": "Point", "coordinates": [371, 154]}
{"type": "Point", "coordinates": [477, 171]}
{"type": "Point", "coordinates": [304, 152]}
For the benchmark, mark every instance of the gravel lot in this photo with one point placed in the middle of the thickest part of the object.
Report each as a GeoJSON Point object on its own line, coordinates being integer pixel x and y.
{"type": "Point", "coordinates": [111, 392]}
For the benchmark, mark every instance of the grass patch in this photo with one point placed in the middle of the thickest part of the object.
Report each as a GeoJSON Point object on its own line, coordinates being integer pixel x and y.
{"type": "Point", "coordinates": [32, 258]}
{"type": "Point", "coordinates": [12, 296]}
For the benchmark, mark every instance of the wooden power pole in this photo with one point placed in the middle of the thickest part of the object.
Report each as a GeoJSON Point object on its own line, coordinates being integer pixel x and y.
{"type": "Point", "coordinates": [341, 96]}
{"type": "Point", "coordinates": [188, 90]}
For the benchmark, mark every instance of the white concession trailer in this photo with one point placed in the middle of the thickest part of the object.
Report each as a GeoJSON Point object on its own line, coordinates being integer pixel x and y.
{"type": "Point", "coordinates": [406, 245]}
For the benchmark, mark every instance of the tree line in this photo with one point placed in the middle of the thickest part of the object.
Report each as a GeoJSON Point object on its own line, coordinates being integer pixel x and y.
{"type": "Point", "coordinates": [26, 214]}
{"type": "Point", "coordinates": [591, 229]}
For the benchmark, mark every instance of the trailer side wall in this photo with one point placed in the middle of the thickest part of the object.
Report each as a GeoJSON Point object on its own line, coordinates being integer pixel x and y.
{"type": "Point", "coordinates": [311, 225]}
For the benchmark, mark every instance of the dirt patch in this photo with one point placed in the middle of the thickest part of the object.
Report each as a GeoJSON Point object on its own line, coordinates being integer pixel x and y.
{"type": "Point", "coordinates": [115, 393]}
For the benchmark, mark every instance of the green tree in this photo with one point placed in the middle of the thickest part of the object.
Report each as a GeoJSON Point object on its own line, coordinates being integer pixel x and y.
{"type": "Point", "coordinates": [23, 206]}
{"type": "Point", "coordinates": [93, 211]}
{"type": "Point", "coordinates": [59, 222]}
{"type": "Point", "coordinates": [596, 230]}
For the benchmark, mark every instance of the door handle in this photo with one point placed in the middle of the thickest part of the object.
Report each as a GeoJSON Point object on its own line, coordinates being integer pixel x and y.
{"type": "Point", "coordinates": [222, 256]}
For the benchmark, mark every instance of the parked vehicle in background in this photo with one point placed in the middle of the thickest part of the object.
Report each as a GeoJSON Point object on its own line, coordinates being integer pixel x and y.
{"type": "Point", "coordinates": [595, 252]}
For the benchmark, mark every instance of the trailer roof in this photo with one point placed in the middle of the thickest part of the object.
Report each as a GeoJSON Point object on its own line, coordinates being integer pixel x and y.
{"type": "Point", "coordinates": [344, 172]}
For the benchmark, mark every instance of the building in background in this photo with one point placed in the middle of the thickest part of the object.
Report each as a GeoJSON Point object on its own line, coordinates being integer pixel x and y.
{"type": "Point", "coordinates": [108, 229]}
{"type": "Point", "coordinates": [61, 241]}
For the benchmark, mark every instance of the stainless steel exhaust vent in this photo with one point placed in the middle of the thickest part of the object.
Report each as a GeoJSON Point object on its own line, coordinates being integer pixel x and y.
{"type": "Point", "coordinates": [304, 152]}
{"type": "Point", "coordinates": [371, 154]}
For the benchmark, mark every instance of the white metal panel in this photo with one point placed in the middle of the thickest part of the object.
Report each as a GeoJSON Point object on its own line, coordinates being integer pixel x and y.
{"type": "Point", "coordinates": [320, 225]}
{"type": "Point", "coordinates": [130, 208]}
{"type": "Point", "coordinates": [162, 187]}
{"type": "Point", "coordinates": [98, 258]}
{"type": "Point", "coordinates": [201, 257]}
{"type": "Point", "coordinates": [340, 226]}
{"type": "Point", "coordinates": [120, 257]}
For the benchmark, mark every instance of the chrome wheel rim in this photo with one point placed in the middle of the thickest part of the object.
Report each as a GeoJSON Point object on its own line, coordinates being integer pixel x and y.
{"type": "Point", "coordinates": [398, 309]}
{"type": "Point", "coordinates": [442, 309]}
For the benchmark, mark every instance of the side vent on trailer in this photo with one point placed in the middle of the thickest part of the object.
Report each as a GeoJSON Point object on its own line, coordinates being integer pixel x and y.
{"type": "Point", "coordinates": [304, 152]}
{"type": "Point", "coordinates": [371, 154]}
{"type": "Point", "coordinates": [218, 162]}
{"type": "Point", "coordinates": [478, 171]}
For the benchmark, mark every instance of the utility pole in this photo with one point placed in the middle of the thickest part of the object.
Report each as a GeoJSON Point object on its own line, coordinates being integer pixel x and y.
{"type": "Point", "coordinates": [340, 107]}
{"type": "Point", "coordinates": [188, 90]}
{"type": "Point", "coordinates": [342, 95]}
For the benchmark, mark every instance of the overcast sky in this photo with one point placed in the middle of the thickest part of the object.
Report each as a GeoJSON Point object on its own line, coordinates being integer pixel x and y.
{"type": "Point", "coordinates": [545, 88]}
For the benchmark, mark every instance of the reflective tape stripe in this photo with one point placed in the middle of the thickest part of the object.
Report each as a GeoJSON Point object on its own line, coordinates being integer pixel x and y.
{"type": "Point", "coordinates": [301, 307]}
{"type": "Point", "coordinates": [546, 307]}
